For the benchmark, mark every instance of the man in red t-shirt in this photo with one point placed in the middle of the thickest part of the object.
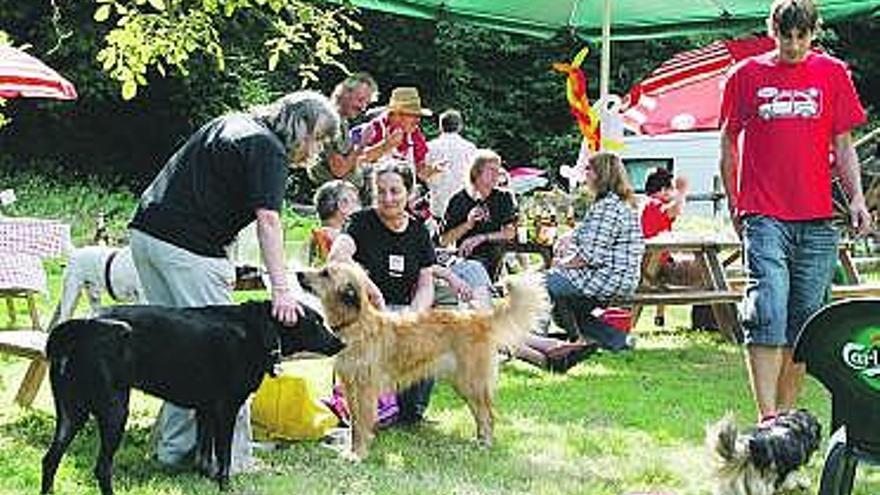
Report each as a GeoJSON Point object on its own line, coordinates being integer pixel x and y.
{"type": "Point", "coordinates": [783, 115]}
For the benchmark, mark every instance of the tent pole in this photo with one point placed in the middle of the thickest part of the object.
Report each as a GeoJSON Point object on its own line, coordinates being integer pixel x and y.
{"type": "Point", "coordinates": [605, 68]}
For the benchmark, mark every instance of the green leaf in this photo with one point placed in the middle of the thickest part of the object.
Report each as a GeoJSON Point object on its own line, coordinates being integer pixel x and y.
{"type": "Point", "coordinates": [273, 60]}
{"type": "Point", "coordinates": [158, 4]}
{"type": "Point", "coordinates": [102, 13]}
{"type": "Point", "coordinates": [129, 90]}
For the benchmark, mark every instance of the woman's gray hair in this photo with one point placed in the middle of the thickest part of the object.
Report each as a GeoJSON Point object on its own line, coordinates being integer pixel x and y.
{"type": "Point", "coordinates": [295, 116]}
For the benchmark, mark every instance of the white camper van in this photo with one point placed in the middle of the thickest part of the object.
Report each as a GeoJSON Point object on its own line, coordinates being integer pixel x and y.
{"type": "Point", "coordinates": [692, 154]}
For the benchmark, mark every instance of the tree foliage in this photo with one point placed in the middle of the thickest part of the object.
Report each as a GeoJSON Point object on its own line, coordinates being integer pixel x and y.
{"type": "Point", "coordinates": [188, 67]}
{"type": "Point", "coordinates": [167, 33]}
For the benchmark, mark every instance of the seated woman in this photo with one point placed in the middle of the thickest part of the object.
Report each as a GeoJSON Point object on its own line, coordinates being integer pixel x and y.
{"type": "Point", "coordinates": [397, 253]}
{"type": "Point", "coordinates": [334, 201]}
{"type": "Point", "coordinates": [481, 217]}
{"type": "Point", "coordinates": [601, 261]}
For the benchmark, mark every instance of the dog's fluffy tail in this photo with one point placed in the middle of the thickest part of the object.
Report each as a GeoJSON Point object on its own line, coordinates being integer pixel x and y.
{"type": "Point", "coordinates": [728, 455]}
{"type": "Point", "coordinates": [525, 308]}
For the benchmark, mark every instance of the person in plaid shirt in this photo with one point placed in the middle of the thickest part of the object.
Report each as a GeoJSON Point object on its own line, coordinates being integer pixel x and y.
{"type": "Point", "coordinates": [599, 260]}
{"type": "Point", "coordinates": [603, 258]}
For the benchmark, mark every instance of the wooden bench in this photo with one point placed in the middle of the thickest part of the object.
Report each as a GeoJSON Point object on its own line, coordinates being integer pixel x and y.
{"type": "Point", "coordinates": [672, 298]}
{"type": "Point", "coordinates": [25, 343]}
{"type": "Point", "coordinates": [722, 302]}
{"type": "Point", "coordinates": [29, 344]}
{"type": "Point", "coordinates": [838, 291]}
{"type": "Point", "coordinates": [855, 291]}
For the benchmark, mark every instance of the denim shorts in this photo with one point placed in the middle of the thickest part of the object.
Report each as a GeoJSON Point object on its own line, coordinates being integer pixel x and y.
{"type": "Point", "coordinates": [789, 266]}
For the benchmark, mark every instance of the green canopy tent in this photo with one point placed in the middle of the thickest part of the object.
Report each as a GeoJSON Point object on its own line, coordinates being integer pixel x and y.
{"type": "Point", "coordinates": [631, 19]}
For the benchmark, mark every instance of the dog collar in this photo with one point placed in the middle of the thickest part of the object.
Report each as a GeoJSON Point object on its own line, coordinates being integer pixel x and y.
{"type": "Point", "coordinates": [107, 265]}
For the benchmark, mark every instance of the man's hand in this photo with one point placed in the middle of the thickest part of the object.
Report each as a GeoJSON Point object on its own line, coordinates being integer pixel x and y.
{"type": "Point", "coordinates": [285, 308]}
{"type": "Point", "coordinates": [860, 217]}
{"type": "Point", "coordinates": [393, 140]}
{"type": "Point", "coordinates": [431, 171]}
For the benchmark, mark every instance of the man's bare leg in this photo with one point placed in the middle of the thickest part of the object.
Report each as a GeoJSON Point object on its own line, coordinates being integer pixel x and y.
{"type": "Point", "coordinates": [765, 366]}
{"type": "Point", "coordinates": [791, 378]}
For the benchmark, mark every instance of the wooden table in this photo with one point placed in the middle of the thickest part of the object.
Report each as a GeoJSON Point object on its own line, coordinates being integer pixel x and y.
{"type": "Point", "coordinates": [24, 243]}
{"type": "Point", "coordinates": [714, 290]}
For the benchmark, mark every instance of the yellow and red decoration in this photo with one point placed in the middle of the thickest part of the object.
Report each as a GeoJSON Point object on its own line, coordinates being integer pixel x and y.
{"type": "Point", "coordinates": [576, 92]}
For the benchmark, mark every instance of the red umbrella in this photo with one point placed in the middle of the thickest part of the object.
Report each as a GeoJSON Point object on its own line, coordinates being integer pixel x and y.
{"type": "Point", "coordinates": [684, 93]}
{"type": "Point", "coordinates": [22, 75]}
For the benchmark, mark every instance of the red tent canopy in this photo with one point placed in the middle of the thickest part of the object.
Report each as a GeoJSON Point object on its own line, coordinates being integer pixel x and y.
{"type": "Point", "coordinates": [684, 93]}
{"type": "Point", "coordinates": [22, 75]}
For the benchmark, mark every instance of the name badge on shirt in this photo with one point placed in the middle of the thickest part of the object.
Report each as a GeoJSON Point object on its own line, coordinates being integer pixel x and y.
{"type": "Point", "coordinates": [395, 265]}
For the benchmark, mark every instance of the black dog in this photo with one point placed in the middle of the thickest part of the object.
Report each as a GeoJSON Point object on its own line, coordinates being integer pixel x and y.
{"type": "Point", "coordinates": [208, 359]}
{"type": "Point", "coordinates": [762, 461]}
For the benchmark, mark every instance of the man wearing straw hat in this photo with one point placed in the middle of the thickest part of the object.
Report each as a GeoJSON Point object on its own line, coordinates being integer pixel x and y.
{"type": "Point", "coordinates": [396, 135]}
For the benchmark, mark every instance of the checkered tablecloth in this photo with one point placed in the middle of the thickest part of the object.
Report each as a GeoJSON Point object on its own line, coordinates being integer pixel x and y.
{"type": "Point", "coordinates": [24, 243]}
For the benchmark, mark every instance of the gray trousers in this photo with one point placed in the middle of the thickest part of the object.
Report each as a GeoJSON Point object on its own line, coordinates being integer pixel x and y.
{"type": "Point", "coordinates": [172, 276]}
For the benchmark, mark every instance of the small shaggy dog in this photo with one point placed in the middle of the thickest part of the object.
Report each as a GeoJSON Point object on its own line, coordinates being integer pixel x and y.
{"type": "Point", "coordinates": [209, 359]}
{"type": "Point", "coordinates": [762, 461]}
{"type": "Point", "coordinates": [384, 351]}
{"type": "Point", "coordinates": [97, 269]}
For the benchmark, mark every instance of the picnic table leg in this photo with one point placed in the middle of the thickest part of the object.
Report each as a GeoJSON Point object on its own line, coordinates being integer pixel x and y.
{"type": "Point", "coordinates": [849, 267]}
{"type": "Point", "coordinates": [726, 314]}
{"type": "Point", "coordinates": [31, 382]}
{"type": "Point", "coordinates": [634, 314]}
{"type": "Point", "coordinates": [32, 309]}
{"type": "Point", "coordinates": [10, 310]}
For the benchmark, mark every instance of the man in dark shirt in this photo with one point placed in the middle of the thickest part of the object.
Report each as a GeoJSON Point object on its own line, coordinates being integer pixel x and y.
{"type": "Point", "coordinates": [482, 217]}
{"type": "Point", "coordinates": [229, 173]}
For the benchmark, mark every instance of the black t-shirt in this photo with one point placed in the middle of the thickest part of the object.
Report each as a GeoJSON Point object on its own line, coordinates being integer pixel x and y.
{"type": "Point", "coordinates": [502, 211]}
{"type": "Point", "coordinates": [211, 187]}
{"type": "Point", "coordinates": [392, 259]}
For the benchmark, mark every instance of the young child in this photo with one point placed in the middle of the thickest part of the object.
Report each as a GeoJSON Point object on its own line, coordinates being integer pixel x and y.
{"type": "Point", "coordinates": [665, 201]}
{"type": "Point", "coordinates": [334, 201]}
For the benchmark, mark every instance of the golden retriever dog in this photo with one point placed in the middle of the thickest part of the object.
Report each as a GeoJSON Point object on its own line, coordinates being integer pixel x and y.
{"type": "Point", "coordinates": [387, 351]}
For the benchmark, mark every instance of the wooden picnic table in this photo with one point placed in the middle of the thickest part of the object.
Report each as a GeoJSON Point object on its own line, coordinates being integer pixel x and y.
{"type": "Point", "coordinates": [714, 254]}
{"type": "Point", "coordinates": [714, 288]}
{"type": "Point", "coordinates": [24, 243]}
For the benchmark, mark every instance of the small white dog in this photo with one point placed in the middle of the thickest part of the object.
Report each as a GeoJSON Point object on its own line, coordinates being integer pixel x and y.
{"type": "Point", "coordinates": [97, 269]}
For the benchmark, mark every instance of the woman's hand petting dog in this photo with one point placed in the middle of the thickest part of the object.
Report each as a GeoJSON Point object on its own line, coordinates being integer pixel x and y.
{"type": "Point", "coordinates": [285, 307]}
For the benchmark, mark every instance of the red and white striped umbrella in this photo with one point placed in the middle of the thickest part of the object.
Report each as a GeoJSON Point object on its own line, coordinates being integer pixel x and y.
{"type": "Point", "coordinates": [684, 93]}
{"type": "Point", "coordinates": [24, 76]}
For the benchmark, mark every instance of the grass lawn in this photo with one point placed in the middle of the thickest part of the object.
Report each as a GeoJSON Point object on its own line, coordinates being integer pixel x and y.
{"type": "Point", "coordinates": [616, 424]}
